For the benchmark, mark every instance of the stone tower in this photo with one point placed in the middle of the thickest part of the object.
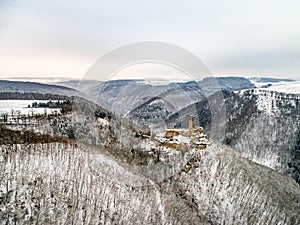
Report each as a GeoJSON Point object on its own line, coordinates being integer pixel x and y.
{"type": "Point", "coordinates": [191, 122]}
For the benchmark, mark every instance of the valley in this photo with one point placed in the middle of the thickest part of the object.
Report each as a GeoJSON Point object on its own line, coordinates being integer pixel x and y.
{"type": "Point", "coordinates": [89, 165]}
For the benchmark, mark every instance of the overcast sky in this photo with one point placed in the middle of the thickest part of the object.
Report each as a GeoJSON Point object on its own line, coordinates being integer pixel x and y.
{"type": "Point", "coordinates": [64, 38]}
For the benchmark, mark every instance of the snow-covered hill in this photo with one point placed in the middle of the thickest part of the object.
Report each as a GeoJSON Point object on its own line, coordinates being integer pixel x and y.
{"type": "Point", "coordinates": [181, 95]}
{"type": "Point", "coordinates": [90, 166]}
{"type": "Point", "coordinates": [123, 96]}
{"type": "Point", "coordinates": [62, 183]}
{"type": "Point", "coordinates": [261, 125]}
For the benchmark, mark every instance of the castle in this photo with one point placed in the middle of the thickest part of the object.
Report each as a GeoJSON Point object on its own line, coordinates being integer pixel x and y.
{"type": "Point", "coordinates": [185, 138]}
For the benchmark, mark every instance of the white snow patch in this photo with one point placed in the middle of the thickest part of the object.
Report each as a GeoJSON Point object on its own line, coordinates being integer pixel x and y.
{"type": "Point", "coordinates": [21, 106]}
{"type": "Point", "coordinates": [102, 122]}
{"type": "Point", "coordinates": [182, 139]}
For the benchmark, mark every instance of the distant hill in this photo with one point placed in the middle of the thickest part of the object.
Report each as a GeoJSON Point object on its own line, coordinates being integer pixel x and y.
{"type": "Point", "coordinates": [123, 96]}
{"type": "Point", "coordinates": [82, 85]}
{"type": "Point", "coordinates": [225, 83]}
{"type": "Point", "coordinates": [180, 95]}
{"type": "Point", "coordinates": [270, 80]}
{"type": "Point", "coordinates": [34, 87]}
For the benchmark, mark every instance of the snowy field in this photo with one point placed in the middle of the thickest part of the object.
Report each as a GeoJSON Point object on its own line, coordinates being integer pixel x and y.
{"type": "Point", "coordinates": [285, 87]}
{"type": "Point", "coordinates": [21, 107]}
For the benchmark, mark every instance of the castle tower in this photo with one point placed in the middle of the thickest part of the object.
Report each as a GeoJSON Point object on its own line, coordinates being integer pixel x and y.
{"type": "Point", "coordinates": [191, 122]}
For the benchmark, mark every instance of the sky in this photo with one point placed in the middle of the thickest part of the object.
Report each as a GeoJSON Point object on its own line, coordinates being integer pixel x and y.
{"type": "Point", "coordinates": [64, 38]}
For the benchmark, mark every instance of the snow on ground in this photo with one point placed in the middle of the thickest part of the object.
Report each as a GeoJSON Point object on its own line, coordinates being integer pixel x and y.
{"type": "Point", "coordinates": [292, 87]}
{"type": "Point", "coordinates": [286, 87]}
{"type": "Point", "coordinates": [182, 139]}
{"type": "Point", "coordinates": [21, 106]}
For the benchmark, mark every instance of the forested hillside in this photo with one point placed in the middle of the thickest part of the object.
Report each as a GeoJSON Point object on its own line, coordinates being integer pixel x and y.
{"type": "Point", "coordinates": [261, 125]}
{"type": "Point", "coordinates": [90, 166]}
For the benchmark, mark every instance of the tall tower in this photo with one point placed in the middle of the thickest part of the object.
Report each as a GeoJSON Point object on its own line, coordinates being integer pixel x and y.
{"type": "Point", "coordinates": [191, 122]}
